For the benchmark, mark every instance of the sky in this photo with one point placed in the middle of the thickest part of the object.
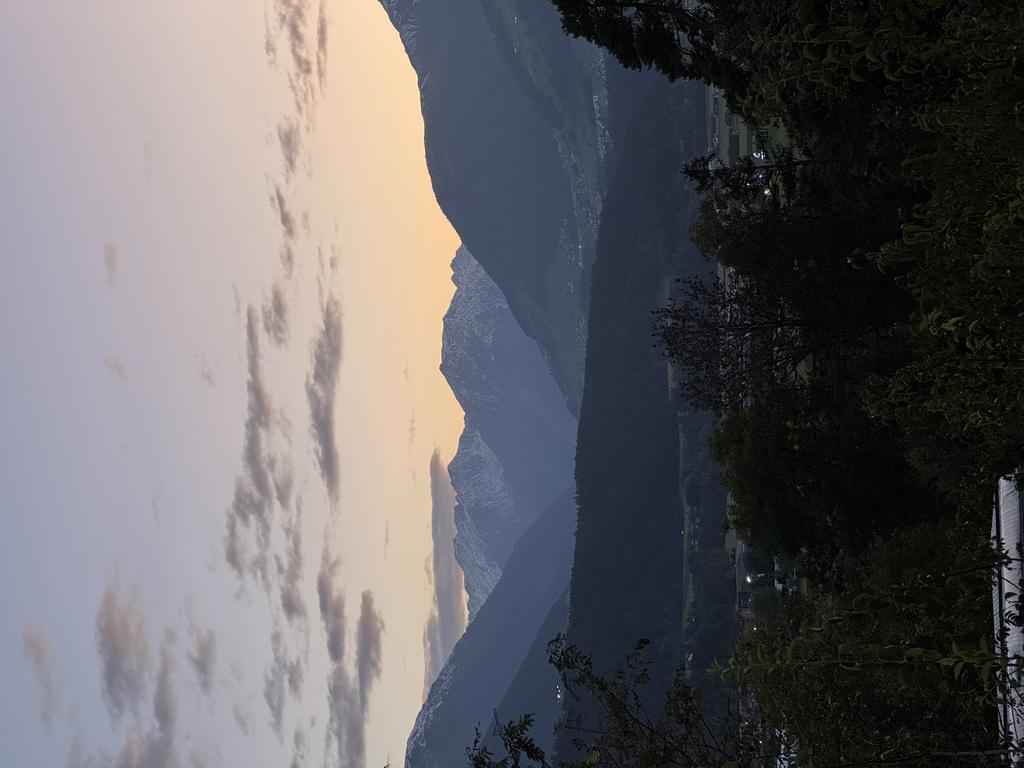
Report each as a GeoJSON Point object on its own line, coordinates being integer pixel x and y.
{"type": "Point", "coordinates": [225, 431]}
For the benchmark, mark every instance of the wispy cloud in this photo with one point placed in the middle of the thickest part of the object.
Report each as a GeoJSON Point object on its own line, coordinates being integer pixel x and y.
{"type": "Point", "coordinates": [202, 655]}
{"type": "Point", "coordinates": [369, 647]}
{"type": "Point", "coordinates": [152, 745]}
{"type": "Point", "coordinates": [123, 649]}
{"type": "Point", "coordinates": [347, 694]}
{"type": "Point", "coordinates": [290, 570]}
{"type": "Point", "coordinates": [111, 262]}
{"type": "Point", "coordinates": [447, 619]}
{"type": "Point", "coordinates": [241, 719]}
{"type": "Point", "coordinates": [288, 258]}
{"type": "Point", "coordinates": [284, 480]}
{"type": "Point", "coordinates": [155, 747]}
{"type": "Point", "coordinates": [321, 46]}
{"type": "Point", "coordinates": [275, 315]}
{"type": "Point", "coordinates": [346, 726]}
{"type": "Point", "coordinates": [252, 506]}
{"type": "Point", "coordinates": [35, 647]}
{"type": "Point", "coordinates": [288, 229]}
{"type": "Point", "coordinates": [284, 213]}
{"type": "Point", "coordinates": [332, 607]}
{"type": "Point", "coordinates": [284, 676]}
{"type": "Point", "coordinates": [116, 367]}
{"type": "Point", "coordinates": [292, 16]}
{"type": "Point", "coordinates": [290, 141]}
{"type": "Point", "coordinates": [203, 369]}
{"type": "Point", "coordinates": [321, 389]}
{"type": "Point", "coordinates": [156, 503]}
{"type": "Point", "coordinates": [292, 21]}
{"type": "Point", "coordinates": [299, 749]}
{"type": "Point", "coordinates": [273, 694]}
{"type": "Point", "coordinates": [269, 46]}
{"type": "Point", "coordinates": [165, 703]}
{"type": "Point", "coordinates": [79, 758]}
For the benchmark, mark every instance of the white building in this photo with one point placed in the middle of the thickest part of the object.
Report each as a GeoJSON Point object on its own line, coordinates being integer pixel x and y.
{"type": "Point", "coordinates": [1007, 530]}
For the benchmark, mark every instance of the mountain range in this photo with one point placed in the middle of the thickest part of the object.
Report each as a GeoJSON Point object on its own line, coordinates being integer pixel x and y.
{"type": "Point", "coordinates": [516, 450]}
{"type": "Point", "coordinates": [562, 174]}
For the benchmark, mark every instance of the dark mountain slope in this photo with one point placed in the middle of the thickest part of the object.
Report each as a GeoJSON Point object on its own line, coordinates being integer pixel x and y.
{"type": "Point", "coordinates": [484, 662]}
{"type": "Point", "coordinates": [649, 508]}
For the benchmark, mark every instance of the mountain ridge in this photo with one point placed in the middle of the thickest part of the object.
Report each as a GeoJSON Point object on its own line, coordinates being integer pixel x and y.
{"type": "Point", "coordinates": [516, 450]}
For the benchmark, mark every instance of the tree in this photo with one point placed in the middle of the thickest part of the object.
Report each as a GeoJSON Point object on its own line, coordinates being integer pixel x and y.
{"type": "Point", "coordinates": [732, 341]}
{"type": "Point", "coordinates": [672, 36]}
{"type": "Point", "coordinates": [814, 479]}
{"type": "Point", "coordinates": [879, 675]}
{"type": "Point", "coordinates": [796, 303]}
{"type": "Point", "coordinates": [623, 731]}
{"type": "Point", "coordinates": [890, 670]}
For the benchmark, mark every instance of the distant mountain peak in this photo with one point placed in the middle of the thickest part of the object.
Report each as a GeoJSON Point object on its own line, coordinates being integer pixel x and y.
{"type": "Point", "coordinates": [516, 450]}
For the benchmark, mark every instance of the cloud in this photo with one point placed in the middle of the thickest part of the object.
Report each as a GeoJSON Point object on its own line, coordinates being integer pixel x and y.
{"type": "Point", "coordinates": [299, 749]}
{"type": "Point", "coordinates": [288, 227]}
{"type": "Point", "coordinates": [447, 619]}
{"type": "Point", "coordinates": [111, 262]}
{"type": "Point", "coordinates": [273, 694]}
{"type": "Point", "coordinates": [203, 369]}
{"type": "Point", "coordinates": [321, 46]}
{"type": "Point", "coordinates": [284, 675]}
{"type": "Point", "coordinates": [321, 389]}
{"type": "Point", "coordinates": [345, 729]}
{"type": "Point", "coordinates": [288, 258]}
{"type": "Point", "coordinates": [369, 647]}
{"type": "Point", "coordinates": [152, 745]}
{"type": "Point", "coordinates": [346, 726]}
{"type": "Point", "coordinates": [78, 758]}
{"type": "Point", "coordinates": [114, 364]}
{"type": "Point", "coordinates": [290, 571]}
{"type": "Point", "coordinates": [292, 16]}
{"type": "Point", "coordinates": [347, 694]}
{"type": "Point", "coordinates": [252, 506]}
{"type": "Point", "coordinates": [241, 719]}
{"type": "Point", "coordinates": [284, 214]}
{"type": "Point", "coordinates": [275, 315]}
{"type": "Point", "coordinates": [156, 503]}
{"type": "Point", "coordinates": [123, 649]}
{"type": "Point", "coordinates": [155, 747]}
{"type": "Point", "coordinates": [258, 419]}
{"type": "Point", "coordinates": [35, 647]}
{"type": "Point", "coordinates": [292, 20]}
{"type": "Point", "coordinates": [290, 141]}
{"type": "Point", "coordinates": [165, 706]}
{"type": "Point", "coordinates": [433, 657]}
{"type": "Point", "coordinates": [269, 46]}
{"type": "Point", "coordinates": [332, 607]}
{"type": "Point", "coordinates": [202, 655]}
{"type": "Point", "coordinates": [234, 554]}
